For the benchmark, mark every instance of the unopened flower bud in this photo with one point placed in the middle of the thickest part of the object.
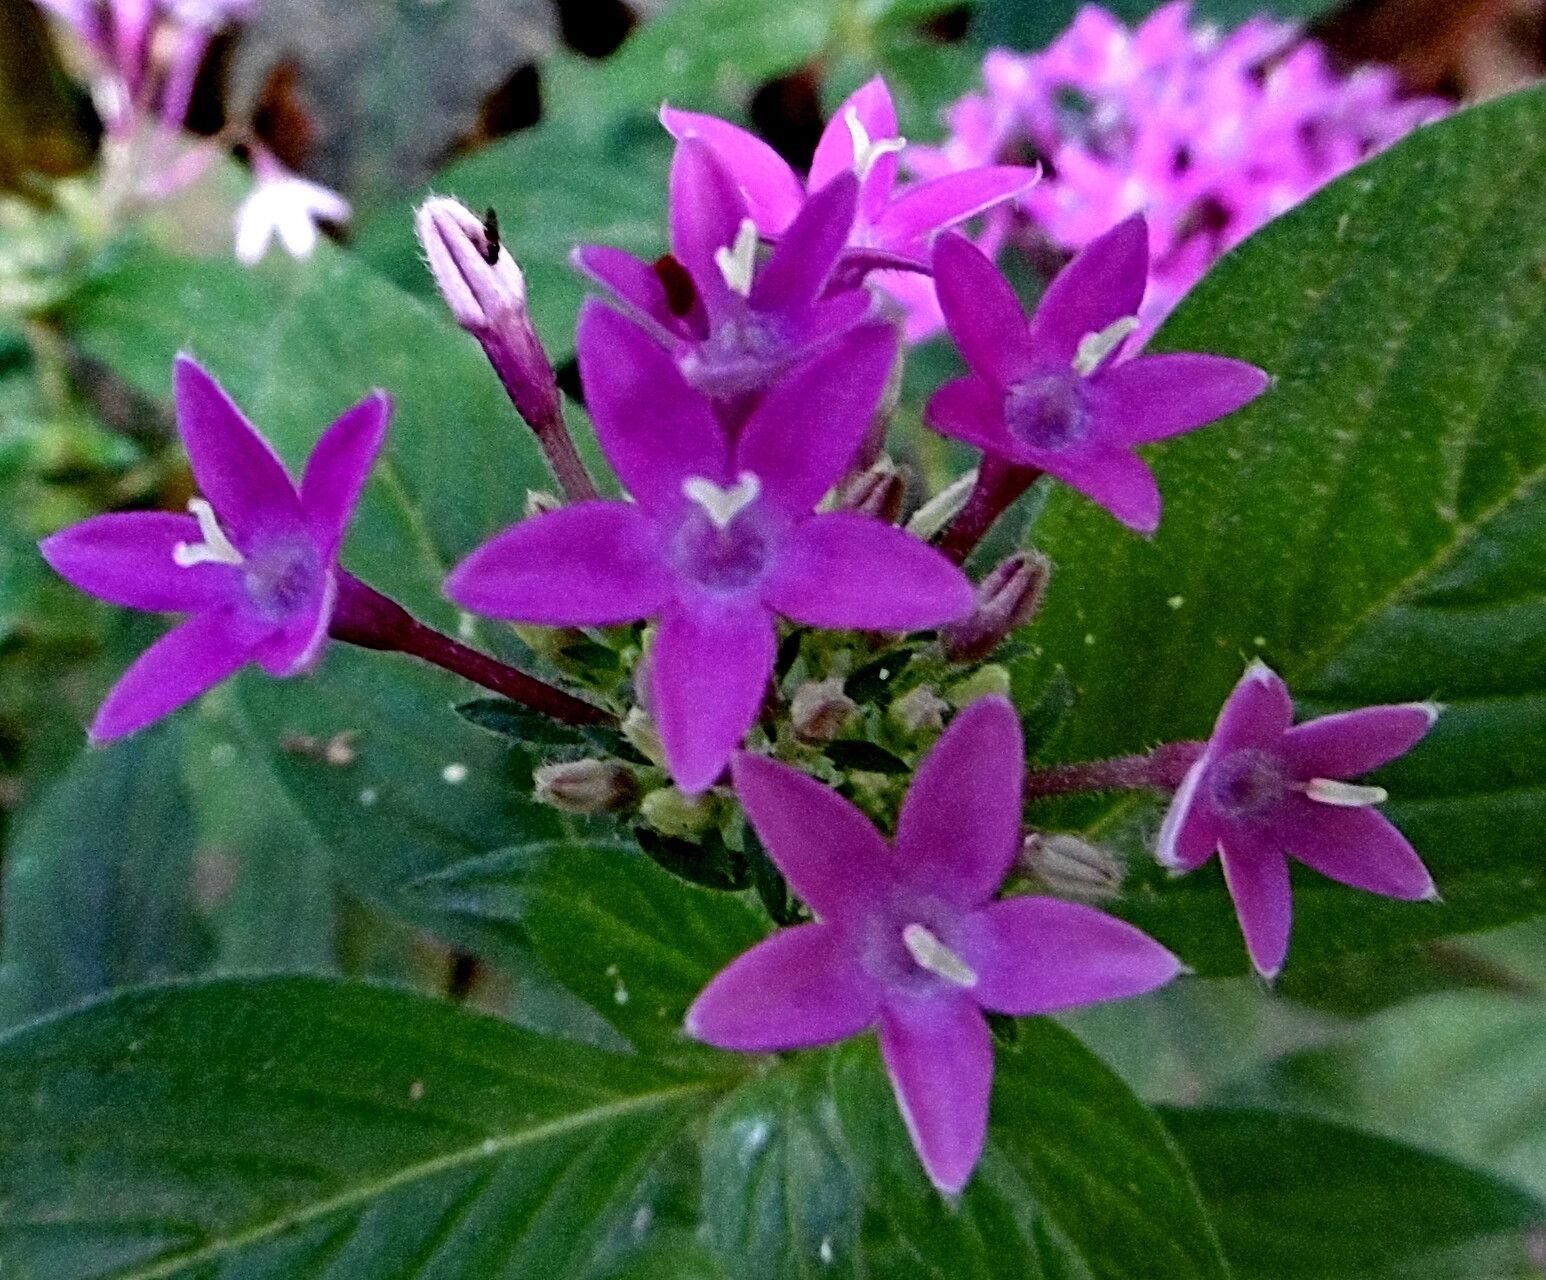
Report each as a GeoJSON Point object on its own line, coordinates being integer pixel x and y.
{"type": "Point", "coordinates": [673, 813]}
{"type": "Point", "coordinates": [820, 710]}
{"type": "Point", "coordinates": [639, 728]}
{"type": "Point", "coordinates": [987, 681]}
{"type": "Point", "coordinates": [920, 710]}
{"type": "Point", "coordinates": [539, 502]}
{"type": "Point", "coordinates": [1071, 866]}
{"type": "Point", "coordinates": [586, 786]}
{"type": "Point", "coordinates": [486, 292]}
{"type": "Point", "coordinates": [877, 492]}
{"type": "Point", "coordinates": [942, 508]}
{"type": "Point", "coordinates": [1007, 599]}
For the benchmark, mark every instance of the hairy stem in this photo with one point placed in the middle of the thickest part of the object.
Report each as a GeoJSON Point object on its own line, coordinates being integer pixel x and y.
{"type": "Point", "coordinates": [543, 413]}
{"type": "Point", "coordinates": [1160, 770]}
{"type": "Point", "coordinates": [369, 619]}
{"type": "Point", "coordinates": [998, 485]}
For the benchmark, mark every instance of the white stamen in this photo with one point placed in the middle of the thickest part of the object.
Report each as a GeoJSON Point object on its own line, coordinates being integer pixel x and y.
{"type": "Point", "coordinates": [1095, 347]}
{"type": "Point", "coordinates": [866, 151]}
{"type": "Point", "coordinates": [723, 505]}
{"type": "Point", "coordinates": [737, 261]}
{"type": "Point", "coordinates": [216, 547]}
{"type": "Point", "coordinates": [936, 957]}
{"type": "Point", "coordinates": [1347, 795]}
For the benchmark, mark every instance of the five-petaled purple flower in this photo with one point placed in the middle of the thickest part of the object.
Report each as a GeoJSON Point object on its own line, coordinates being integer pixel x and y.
{"type": "Point", "coordinates": [721, 535]}
{"type": "Point", "coordinates": [1052, 393]}
{"type": "Point", "coordinates": [735, 327]}
{"type": "Point", "coordinates": [910, 939]}
{"type": "Point", "coordinates": [1266, 788]}
{"type": "Point", "coordinates": [256, 564]}
{"type": "Point", "coordinates": [861, 138]}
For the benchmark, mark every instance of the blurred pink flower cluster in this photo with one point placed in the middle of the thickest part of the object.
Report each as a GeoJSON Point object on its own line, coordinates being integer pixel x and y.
{"type": "Point", "coordinates": [1209, 134]}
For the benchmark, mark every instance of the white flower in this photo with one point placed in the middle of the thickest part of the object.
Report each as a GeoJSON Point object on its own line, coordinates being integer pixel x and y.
{"type": "Point", "coordinates": [284, 205]}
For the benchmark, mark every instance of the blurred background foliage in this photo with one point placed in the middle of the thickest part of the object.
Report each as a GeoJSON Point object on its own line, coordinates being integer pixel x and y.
{"type": "Point", "coordinates": [197, 847]}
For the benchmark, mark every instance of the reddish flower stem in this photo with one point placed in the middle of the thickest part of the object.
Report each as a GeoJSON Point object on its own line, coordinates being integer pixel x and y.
{"type": "Point", "coordinates": [365, 617]}
{"type": "Point", "coordinates": [1161, 770]}
{"type": "Point", "coordinates": [998, 485]}
{"type": "Point", "coordinates": [545, 420]}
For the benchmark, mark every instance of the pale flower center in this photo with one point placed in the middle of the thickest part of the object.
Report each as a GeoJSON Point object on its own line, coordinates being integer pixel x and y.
{"type": "Point", "coordinates": [281, 579]}
{"type": "Point", "coordinates": [720, 504]}
{"type": "Point", "coordinates": [737, 262]}
{"type": "Point", "coordinates": [1047, 412]}
{"type": "Point", "coordinates": [932, 954]}
{"type": "Point", "coordinates": [716, 550]}
{"type": "Point", "coordinates": [1247, 784]}
{"type": "Point", "coordinates": [867, 150]}
{"type": "Point", "coordinates": [216, 547]}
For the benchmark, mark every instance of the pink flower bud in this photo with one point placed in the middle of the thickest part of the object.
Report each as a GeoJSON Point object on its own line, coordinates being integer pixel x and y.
{"type": "Point", "coordinates": [1071, 866]}
{"type": "Point", "coordinates": [877, 492]}
{"type": "Point", "coordinates": [1007, 599]}
{"type": "Point", "coordinates": [586, 786]}
{"type": "Point", "coordinates": [820, 710]}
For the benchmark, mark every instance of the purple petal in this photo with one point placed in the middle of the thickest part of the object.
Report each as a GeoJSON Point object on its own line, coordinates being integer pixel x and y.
{"type": "Point", "coordinates": [655, 430]}
{"type": "Point", "coordinates": [971, 409]}
{"type": "Point", "coordinates": [939, 1055]}
{"type": "Point", "coordinates": [634, 284]}
{"type": "Point", "coordinates": [338, 468]}
{"type": "Point", "coordinates": [236, 470]}
{"type": "Point", "coordinates": [1104, 284]}
{"type": "Point", "coordinates": [1154, 397]}
{"type": "Point", "coordinates": [803, 262]}
{"type": "Point", "coordinates": [960, 824]}
{"type": "Point", "coordinates": [772, 189]}
{"type": "Point", "coordinates": [872, 104]}
{"type": "Point", "coordinates": [298, 647]}
{"type": "Point", "coordinates": [126, 559]}
{"type": "Point", "coordinates": [590, 565]}
{"type": "Point", "coordinates": [1038, 955]}
{"type": "Point", "coordinates": [981, 311]}
{"type": "Point", "coordinates": [1114, 478]}
{"type": "Point", "coordinates": [706, 213]}
{"type": "Point", "coordinates": [804, 433]}
{"type": "Point", "coordinates": [1358, 847]}
{"type": "Point", "coordinates": [188, 660]}
{"type": "Point", "coordinates": [1256, 871]}
{"type": "Point", "coordinates": [1189, 836]}
{"type": "Point", "coordinates": [830, 853]}
{"type": "Point", "coordinates": [1354, 742]}
{"type": "Point", "coordinates": [848, 570]}
{"type": "Point", "coordinates": [945, 201]}
{"type": "Point", "coordinates": [1256, 714]}
{"type": "Point", "coordinates": [802, 987]}
{"type": "Point", "coordinates": [709, 670]}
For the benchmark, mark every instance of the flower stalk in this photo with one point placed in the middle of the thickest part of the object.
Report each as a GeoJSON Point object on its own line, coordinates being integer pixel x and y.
{"type": "Point", "coordinates": [1159, 770]}
{"type": "Point", "coordinates": [999, 485]}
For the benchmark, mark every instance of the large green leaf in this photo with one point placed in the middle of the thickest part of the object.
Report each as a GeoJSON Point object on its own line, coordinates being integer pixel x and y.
{"type": "Point", "coordinates": [1302, 1199]}
{"type": "Point", "coordinates": [808, 1172]}
{"type": "Point", "coordinates": [1374, 527]}
{"type": "Point", "coordinates": [1031, 26]}
{"type": "Point", "coordinates": [291, 1128]}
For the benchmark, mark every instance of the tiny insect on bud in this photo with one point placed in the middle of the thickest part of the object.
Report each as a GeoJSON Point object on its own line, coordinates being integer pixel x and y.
{"type": "Point", "coordinates": [1071, 866]}
{"type": "Point", "coordinates": [820, 710]}
{"type": "Point", "coordinates": [877, 492]}
{"type": "Point", "coordinates": [1007, 599]}
{"type": "Point", "coordinates": [586, 786]}
{"type": "Point", "coordinates": [918, 711]}
{"type": "Point", "coordinates": [673, 813]}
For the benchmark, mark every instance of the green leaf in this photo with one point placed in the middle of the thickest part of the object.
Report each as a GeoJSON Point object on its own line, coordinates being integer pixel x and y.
{"type": "Point", "coordinates": [99, 881]}
{"type": "Point", "coordinates": [808, 1171]}
{"type": "Point", "coordinates": [632, 941]}
{"type": "Point", "coordinates": [1032, 26]}
{"type": "Point", "coordinates": [1297, 1198]}
{"type": "Point", "coordinates": [1374, 528]}
{"type": "Point", "coordinates": [295, 1127]}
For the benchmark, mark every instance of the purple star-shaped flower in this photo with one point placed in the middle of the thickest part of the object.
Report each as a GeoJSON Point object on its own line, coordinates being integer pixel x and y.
{"type": "Point", "coordinates": [732, 326]}
{"type": "Point", "coordinates": [860, 139]}
{"type": "Point", "coordinates": [1050, 392]}
{"type": "Point", "coordinates": [1266, 788]}
{"type": "Point", "coordinates": [909, 939]}
{"type": "Point", "coordinates": [256, 564]}
{"type": "Point", "coordinates": [721, 536]}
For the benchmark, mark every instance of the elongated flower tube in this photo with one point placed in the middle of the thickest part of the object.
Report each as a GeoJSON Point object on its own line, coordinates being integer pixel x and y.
{"type": "Point", "coordinates": [861, 138]}
{"type": "Point", "coordinates": [255, 565]}
{"type": "Point", "coordinates": [1052, 392]}
{"type": "Point", "coordinates": [909, 938]}
{"type": "Point", "coordinates": [1265, 789]}
{"type": "Point", "coordinates": [721, 535]}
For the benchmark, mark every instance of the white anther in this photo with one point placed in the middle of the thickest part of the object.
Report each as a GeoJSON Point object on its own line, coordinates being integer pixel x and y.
{"type": "Point", "coordinates": [1095, 347]}
{"type": "Point", "coordinates": [737, 262]}
{"type": "Point", "coordinates": [867, 150]}
{"type": "Point", "coordinates": [1346, 795]}
{"type": "Point", "coordinates": [216, 547]}
{"type": "Point", "coordinates": [936, 957]}
{"type": "Point", "coordinates": [723, 505]}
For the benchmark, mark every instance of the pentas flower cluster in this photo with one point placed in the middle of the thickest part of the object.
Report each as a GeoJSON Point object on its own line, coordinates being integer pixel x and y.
{"type": "Point", "coordinates": [145, 57]}
{"type": "Point", "coordinates": [757, 563]}
{"type": "Point", "coordinates": [1209, 134]}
